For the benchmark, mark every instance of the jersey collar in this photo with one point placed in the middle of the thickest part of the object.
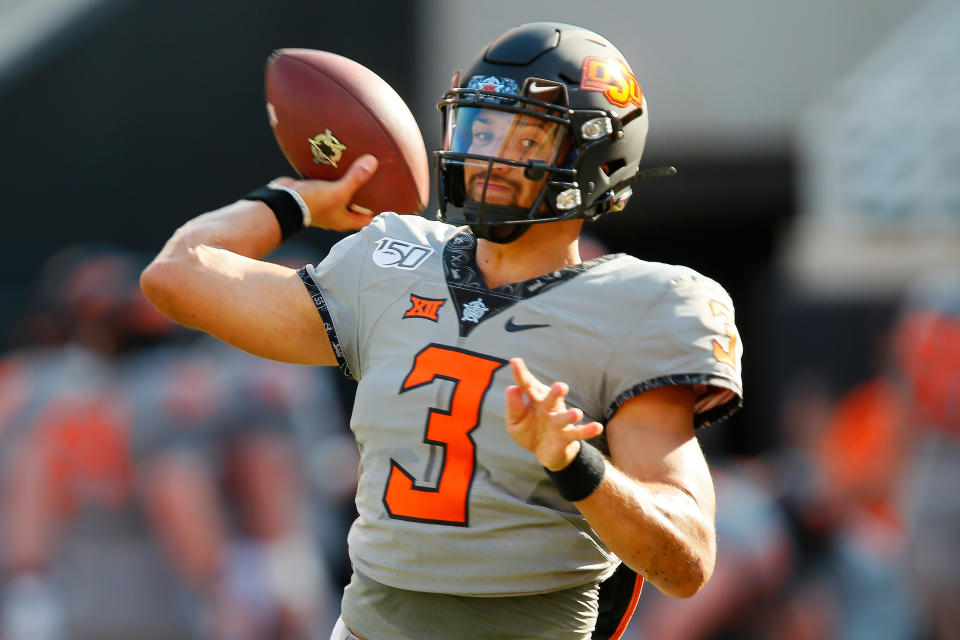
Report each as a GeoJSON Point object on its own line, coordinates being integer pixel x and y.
{"type": "Point", "coordinates": [476, 302]}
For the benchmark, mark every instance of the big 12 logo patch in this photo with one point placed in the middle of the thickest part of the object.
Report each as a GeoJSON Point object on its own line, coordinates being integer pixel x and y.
{"type": "Point", "coordinates": [613, 78]}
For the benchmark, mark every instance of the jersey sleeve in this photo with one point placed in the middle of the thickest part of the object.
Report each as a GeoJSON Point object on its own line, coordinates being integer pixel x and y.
{"type": "Point", "coordinates": [335, 285]}
{"type": "Point", "coordinates": [687, 336]}
{"type": "Point", "coordinates": [342, 285]}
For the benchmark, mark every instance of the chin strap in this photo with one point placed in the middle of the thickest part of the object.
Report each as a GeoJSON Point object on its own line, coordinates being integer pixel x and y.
{"type": "Point", "coordinates": [616, 198]}
{"type": "Point", "coordinates": [656, 172]}
{"type": "Point", "coordinates": [500, 234]}
{"type": "Point", "coordinates": [489, 229]}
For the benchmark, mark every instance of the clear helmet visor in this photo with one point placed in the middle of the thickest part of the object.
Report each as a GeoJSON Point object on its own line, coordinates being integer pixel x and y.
{"type": "Point", "coordinates": [500, 158]}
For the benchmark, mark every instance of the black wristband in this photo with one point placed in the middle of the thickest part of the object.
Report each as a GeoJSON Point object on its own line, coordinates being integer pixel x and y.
{"type": "Point", "coordinates": [580, 478]}
{"type": "Point", "coordinates": [290, 210]}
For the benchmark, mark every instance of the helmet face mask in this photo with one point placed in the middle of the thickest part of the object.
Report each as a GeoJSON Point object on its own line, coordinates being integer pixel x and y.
{"type": "Point", "coordinates": [547, 123]}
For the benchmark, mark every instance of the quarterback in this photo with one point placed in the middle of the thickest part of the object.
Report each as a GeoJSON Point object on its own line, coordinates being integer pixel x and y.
{"type": "Point", "coordinates": [526, 421]}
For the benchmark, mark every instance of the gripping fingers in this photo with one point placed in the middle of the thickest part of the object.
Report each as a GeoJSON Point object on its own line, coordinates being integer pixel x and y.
{"type": "Point", "coordinates": [357, 175]}
{"type": "Point", "coordinates": [328, 201]}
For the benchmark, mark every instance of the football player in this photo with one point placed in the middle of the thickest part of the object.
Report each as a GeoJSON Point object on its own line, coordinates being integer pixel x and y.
{"type": "Point", "coordinates": [526, 421]}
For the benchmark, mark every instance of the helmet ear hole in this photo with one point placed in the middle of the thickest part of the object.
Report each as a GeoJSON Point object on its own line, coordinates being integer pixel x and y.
{"type": "Point", "coordinates": [611, 167]}
{"type": "Point", "coordinates": [452, 182]}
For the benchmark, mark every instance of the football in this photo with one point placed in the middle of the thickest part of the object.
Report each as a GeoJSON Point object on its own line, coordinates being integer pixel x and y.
{"type": "Point", "coordinates": [327, 110]}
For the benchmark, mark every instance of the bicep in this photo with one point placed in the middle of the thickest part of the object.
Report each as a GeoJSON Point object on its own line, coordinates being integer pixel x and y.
{"type": "Point", "coordinates": [652, 438]}
{"type": "Point", "coordinates": [260, 307]}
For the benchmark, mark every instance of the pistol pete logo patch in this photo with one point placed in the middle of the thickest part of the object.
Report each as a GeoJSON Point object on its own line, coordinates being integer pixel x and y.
{"type": "Point", "coordinates": [613, 79]}
{"type": "Point", "coordinates": [424, 307]}
{"type": "Point", "coordinates": [391, 253]}
{"type": "Point", "coordinates": [326, 149]}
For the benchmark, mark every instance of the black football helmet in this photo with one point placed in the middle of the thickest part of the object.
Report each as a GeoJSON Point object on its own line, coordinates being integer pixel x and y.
{"type": "Point", "coordinates": [548, 123]}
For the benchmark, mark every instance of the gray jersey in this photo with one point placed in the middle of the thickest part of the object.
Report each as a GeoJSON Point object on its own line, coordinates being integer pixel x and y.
{"type": "Point", "coordinates": [447, 501]}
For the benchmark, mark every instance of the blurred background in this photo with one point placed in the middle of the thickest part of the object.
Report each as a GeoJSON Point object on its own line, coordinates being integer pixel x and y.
{"type": "Point", "coordinates": [149, 491]}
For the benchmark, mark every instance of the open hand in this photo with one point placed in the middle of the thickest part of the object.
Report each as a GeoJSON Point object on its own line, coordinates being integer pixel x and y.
{"type": "Point", "coordinates": [539, 420]}
{"type": "Point", "coordinates": [329, 200]}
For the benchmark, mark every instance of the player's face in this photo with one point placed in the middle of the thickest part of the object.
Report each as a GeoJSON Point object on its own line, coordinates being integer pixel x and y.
{"type": "Point", "coordinates": [499, 134]}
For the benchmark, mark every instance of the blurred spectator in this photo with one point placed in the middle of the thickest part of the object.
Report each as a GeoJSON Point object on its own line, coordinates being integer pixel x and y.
{"type": "Point", "coordinates": [244, 469]}
{"type": "Point", "coordinates": [927, 359]}
{"type": "Point", "coordinates": [859, 457]}
{"type": "Point", "coordinates": [223, 485]}
{"type": "Point", "coordinates": [62, 430]}
{"type": "Point", "coordinates": [840, 488]}
{"type": "Point", "coordinates": [226, 446]}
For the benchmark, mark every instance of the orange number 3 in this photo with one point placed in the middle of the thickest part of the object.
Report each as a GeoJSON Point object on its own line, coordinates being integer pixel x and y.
{"type": "Point", "coordinates": [447, 502]}
{"type": "Point", "coordinates": [727, 356]}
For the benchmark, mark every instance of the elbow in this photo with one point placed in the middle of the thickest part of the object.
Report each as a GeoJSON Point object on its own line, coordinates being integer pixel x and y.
{"type": "Point", "coordinates": [698, 551]}
{"type": "Point", "coordinates": [690, 566]}
{"type": "Point", "coordinates": [688, 584]}
{"type": "Point", "coordinates": [685, 582]}
{"type": "Point", "coordinates": [151, 282]}
{"type": "Point", "coordinates": [155, 284]}
{"type": "Point", "coordinates": [703, 559]}
{"type": "Point", "coordinates": [162, 284]}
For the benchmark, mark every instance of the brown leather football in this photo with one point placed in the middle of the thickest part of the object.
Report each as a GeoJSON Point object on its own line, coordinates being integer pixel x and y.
{"type": "Point", "coordinates": [327, 110]}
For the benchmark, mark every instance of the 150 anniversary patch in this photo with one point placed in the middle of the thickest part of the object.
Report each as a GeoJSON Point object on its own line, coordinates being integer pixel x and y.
{"type": "Point", "coordinates": [391, 253]}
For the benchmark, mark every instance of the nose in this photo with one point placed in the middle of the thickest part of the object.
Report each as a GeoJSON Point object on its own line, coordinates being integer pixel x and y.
{"type": "Point", "coordinates": [514, 152]}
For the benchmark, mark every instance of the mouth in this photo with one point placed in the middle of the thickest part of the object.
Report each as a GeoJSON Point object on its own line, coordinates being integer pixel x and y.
{"type": "Point", "coordinates": [494, 189]}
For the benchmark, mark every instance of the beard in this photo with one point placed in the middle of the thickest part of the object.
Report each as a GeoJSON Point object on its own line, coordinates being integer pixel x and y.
{"type": "Point", "coordinates": [502, 191]}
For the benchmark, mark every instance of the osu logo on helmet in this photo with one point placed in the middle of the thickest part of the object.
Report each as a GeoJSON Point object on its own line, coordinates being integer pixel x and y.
{"type": "Point", "coordinates": [612, 78]}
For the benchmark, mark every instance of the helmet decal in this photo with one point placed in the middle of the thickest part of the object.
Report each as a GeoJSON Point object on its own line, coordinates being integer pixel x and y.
{"type": "Point", "coordinates": [495, 84]}
{"type": "Point", "coordinates": [612, 78]}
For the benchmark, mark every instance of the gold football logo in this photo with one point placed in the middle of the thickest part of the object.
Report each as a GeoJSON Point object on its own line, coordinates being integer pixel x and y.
{"type": "Point", "coordinates": [326, 148]}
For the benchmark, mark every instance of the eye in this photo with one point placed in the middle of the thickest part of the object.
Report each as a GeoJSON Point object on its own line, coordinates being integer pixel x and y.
{"type": "Point", "coordinates": [483, 137]}
{"type": "Point", "coordinates": [529, 143]}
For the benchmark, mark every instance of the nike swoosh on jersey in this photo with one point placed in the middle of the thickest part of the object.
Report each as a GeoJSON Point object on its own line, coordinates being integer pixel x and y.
{"type": "Point", "coordinates": [512, 326]}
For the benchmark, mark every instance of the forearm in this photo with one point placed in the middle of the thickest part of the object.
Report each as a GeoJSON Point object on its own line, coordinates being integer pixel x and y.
{"type": "Point", "coordinates": [657, 529]}
{"type": "Point", "coordinates": [251, 228]}
{"type": "Point", "coordinates": [246, 227]}
{"type": "Point", "coordinates": [209, 276]}
{"type": "Point", "coordinates": [207, 243]}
